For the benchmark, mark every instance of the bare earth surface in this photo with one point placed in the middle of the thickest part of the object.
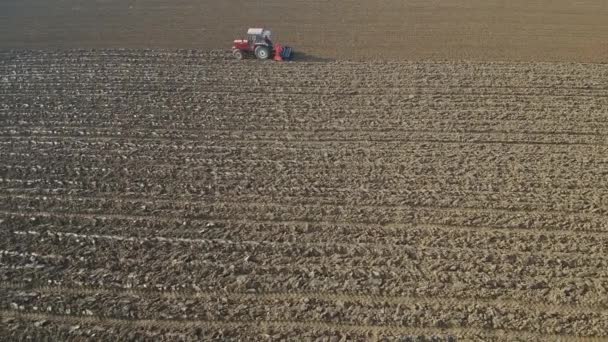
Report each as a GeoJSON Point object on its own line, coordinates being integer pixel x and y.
{"type": "Point", "coordinates": [484, 30]}
{"type": "Point", "coordinates": [150, 194]}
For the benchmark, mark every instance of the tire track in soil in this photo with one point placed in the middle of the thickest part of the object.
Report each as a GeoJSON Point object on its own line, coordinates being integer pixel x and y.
{"type": "Point", "coordinates": [283, 326]}
{"type": "Point", "coordinates": [265, 243]}
{"type": "Point", "coordinates": [283, 145]}
{"type": "Point", "coordinates": [248, 201]}
{"type": "Point", "coordinates": [598, 128]}
{"type": "Point", "coordinates": [298, 296]}
{"type": "Point", "coordinates": [285, 266]}
{"type": "Point", "coordinates": [303, 233]}
{"type": "Point", "coordinates": [289, 299]}
{"type": "Point", "coordinates": [508, 295]}
{"type": "Point", "coordinates": [301, 141]}
{"type": "Point", "coordinates": [269, 130]}
{"type": "Point", "coordinates": [328, 92]}
{"type": "Point", "coordinates": [449, 189]}
{"type": "Point", "coordinates": [104, 216]}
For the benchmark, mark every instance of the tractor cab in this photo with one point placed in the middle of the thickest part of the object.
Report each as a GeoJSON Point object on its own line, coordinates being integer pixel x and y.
{"type": "Point", "coordinates": [259, 36]}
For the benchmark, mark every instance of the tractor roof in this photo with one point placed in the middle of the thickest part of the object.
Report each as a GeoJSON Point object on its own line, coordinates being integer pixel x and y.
{"type": "Point", "coordinates": [255, 31]}
{"type": "Point", "coordinates": [259, 31]}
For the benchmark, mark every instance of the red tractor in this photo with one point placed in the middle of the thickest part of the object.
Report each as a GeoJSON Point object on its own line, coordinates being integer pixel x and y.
{"type": "Point", "coordinates": [259, 45]}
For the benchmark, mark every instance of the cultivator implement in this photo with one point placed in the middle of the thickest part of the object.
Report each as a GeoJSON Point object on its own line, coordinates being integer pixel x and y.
{"type": "Point", "coordinates": [282, 53]}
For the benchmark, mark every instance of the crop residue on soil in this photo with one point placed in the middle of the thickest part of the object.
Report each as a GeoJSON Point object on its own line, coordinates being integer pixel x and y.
{"type": "Point", "coordinates": [186, 196]}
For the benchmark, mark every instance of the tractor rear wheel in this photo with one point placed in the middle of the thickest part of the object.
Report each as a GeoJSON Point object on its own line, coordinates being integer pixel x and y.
{"type": "Point", "coordinates": [262, 52]}
{"type": "Point", "coordinates": [238, 54]}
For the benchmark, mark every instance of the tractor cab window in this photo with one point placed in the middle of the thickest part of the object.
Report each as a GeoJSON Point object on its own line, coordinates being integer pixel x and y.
{"type": "Point", "coordinates": [258, 39]}
{"type": "Point", "coordinates": [251, 38]}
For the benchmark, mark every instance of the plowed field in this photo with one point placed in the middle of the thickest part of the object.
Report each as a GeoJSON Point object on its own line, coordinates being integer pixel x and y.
{"type": "Point", "coordinates": [187, 196]}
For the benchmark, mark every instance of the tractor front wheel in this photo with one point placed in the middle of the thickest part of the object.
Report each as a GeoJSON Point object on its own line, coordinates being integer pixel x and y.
{"type": "Point", "coordinates": [238, 54]}
{"type": "Point", "coordinates": [262, 52]}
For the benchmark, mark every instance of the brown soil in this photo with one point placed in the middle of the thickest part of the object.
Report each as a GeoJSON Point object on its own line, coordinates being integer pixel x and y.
{"type": "Point", "coordinates": [184, 195]}
{"type": "Point", "coordinates": [520, 30]}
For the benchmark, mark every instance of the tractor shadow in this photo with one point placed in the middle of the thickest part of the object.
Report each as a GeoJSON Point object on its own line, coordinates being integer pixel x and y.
{"type": "Point", "coordinates": [305, 57]}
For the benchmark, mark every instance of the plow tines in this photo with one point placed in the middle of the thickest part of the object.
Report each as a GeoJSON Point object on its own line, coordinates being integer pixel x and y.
{"type": "Point", "coordinates": [287, 52]}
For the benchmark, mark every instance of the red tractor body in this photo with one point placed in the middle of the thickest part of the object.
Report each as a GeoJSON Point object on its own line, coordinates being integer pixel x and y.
{"type": "Point", "coordinates": [241, 44]}
{"type": "Point", "coordinates": [259, 45]}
